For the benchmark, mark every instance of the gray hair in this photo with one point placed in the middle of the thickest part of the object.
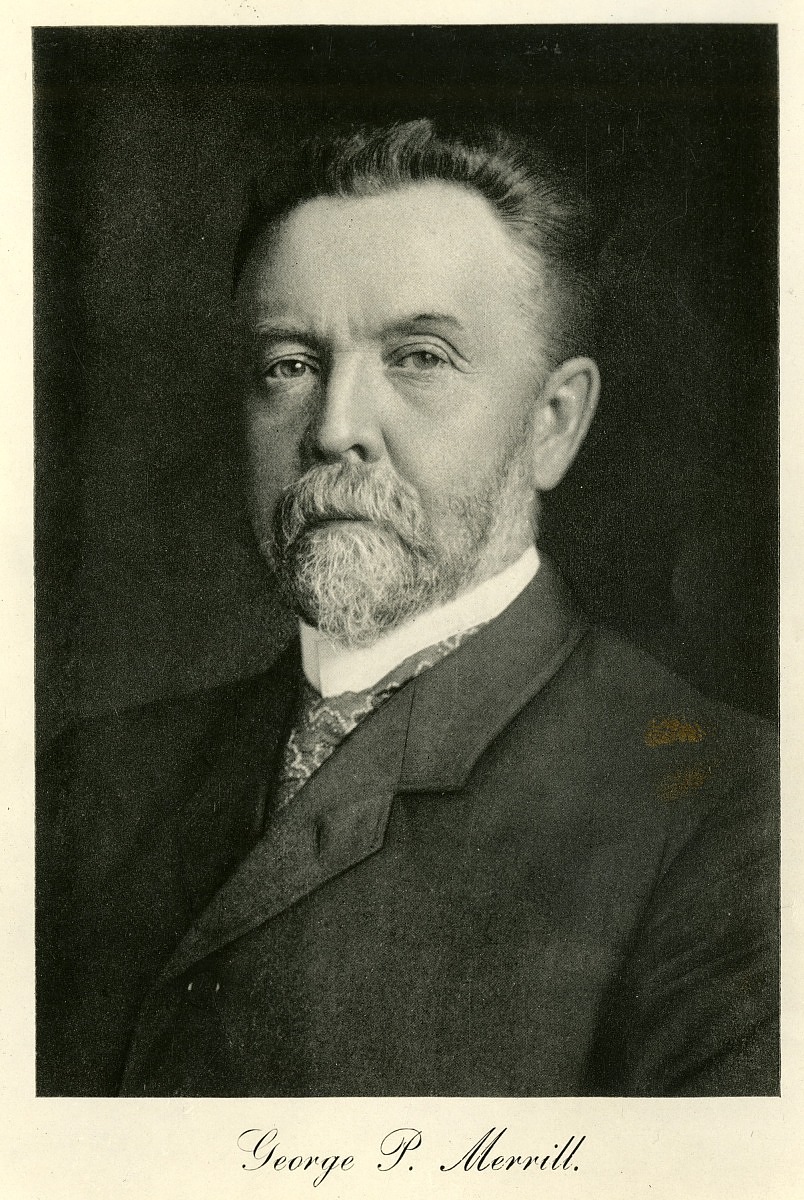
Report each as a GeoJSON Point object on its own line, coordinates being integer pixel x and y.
{"type": "Point", "coordinates": [547, 217]}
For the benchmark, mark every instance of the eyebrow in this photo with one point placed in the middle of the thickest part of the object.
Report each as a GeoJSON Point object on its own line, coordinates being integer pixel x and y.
{"type": "Point", "coordinates": [406, 324]}
{"type": "Point", "coordinates": [283, 333]}
{"type": "Point", "coordinates": [444, 323]}
{"type": "Point", "coordinates": [411, 324]}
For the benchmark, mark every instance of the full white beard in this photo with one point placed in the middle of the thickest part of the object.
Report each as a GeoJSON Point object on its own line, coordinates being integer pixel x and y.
{"type": "Point", "coordinates": [357, 580]}
{"type": "Point", "coordinates": [357, 556]}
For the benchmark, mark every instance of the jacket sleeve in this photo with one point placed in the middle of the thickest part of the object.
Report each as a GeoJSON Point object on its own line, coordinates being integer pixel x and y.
{"type": "Point", "coordinates": [694, 1010]}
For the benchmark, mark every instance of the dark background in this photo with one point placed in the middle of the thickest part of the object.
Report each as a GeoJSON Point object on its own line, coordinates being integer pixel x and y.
{"type": "Point", "coordinates": [145, 138]}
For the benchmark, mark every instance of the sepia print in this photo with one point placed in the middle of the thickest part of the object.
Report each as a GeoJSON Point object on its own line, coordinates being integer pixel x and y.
{"type": "Point", "coordinates": [406, 561]}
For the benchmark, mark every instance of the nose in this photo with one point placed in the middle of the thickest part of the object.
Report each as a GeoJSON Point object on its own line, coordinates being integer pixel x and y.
{"type": "Point", "coordinates": [345, 424]}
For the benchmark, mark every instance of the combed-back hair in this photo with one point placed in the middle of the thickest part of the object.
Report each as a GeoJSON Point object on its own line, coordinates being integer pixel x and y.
{"type": "Point", "coordinates": [547, 217]}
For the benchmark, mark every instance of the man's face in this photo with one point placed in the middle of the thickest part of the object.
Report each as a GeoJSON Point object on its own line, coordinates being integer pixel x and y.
{"type": "Point", "coordinates": [394, 365]}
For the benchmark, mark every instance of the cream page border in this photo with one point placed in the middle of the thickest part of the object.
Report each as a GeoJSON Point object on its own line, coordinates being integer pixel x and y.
{"type": "Point", "coordinates": [73, 1149]}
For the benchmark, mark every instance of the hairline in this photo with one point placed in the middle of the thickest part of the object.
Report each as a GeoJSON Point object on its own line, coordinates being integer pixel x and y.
{"type": "Point", "coordinates": [539, 298]}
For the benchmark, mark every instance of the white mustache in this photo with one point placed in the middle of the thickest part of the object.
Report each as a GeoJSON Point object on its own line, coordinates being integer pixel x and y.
{"type": "Point", "coordinates": [346, 492]}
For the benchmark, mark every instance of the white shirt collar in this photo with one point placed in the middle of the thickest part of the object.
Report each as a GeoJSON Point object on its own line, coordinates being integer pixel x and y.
{"type": "Point", "coordinates": [332, 669]}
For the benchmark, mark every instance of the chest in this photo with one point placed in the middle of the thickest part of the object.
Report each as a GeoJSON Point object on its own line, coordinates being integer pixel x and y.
{"type": "Point", "coordinates": [469, 955]}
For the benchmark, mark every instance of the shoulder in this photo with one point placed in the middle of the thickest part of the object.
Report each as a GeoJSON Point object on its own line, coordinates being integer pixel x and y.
{"type": "Point", "coordinates": [151, 749]}
{"type": "Point", "coordinates": [692, 1010]}
{"type": "Point", "coordinates": [173, 720]}
{"type": "Point", "coordinates": [638, 700]}
{"type": "Point", "coordinates": [634, 751]}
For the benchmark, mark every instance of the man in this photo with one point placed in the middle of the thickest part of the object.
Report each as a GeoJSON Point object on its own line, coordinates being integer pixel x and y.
{"type": "Point", "coordinates": [457, 841]}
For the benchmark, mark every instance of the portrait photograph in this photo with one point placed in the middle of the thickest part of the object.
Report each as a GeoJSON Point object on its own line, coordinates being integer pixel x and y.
{"type": "Point", "coordinates": [406, 816]}
{"type": "Point", "coordinates": [406, 447]}
{"type": "Point", "coordinates": [412, 645]}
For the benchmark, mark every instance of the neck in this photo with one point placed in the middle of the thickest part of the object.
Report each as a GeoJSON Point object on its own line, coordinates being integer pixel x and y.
{"type": "Point", "coordinates": [496, 559]}
{"type": "Point", "coordinates": [333, 668]}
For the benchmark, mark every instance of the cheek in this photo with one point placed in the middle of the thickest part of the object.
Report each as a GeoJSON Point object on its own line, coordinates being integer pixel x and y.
{"type": "Point", "coordinates": [272, 444]}
{"type": "Point", "coordinates": [450, 448]}
{"type": "Point", "coordinates": [442, 467]}
{"type": "Point", "coordinates": [423, 452]}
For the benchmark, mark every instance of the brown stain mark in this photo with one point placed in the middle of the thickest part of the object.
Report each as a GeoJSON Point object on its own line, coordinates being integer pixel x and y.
{"type": "Point", "coordinates": [670, 731]}
{"type": "Point", "coordinates": [681, 783]}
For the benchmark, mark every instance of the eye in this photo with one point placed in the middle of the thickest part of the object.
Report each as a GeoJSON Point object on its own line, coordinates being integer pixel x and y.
{"type": "Point", "coordinates": [421, 360]}
{"type": "Point", "coordinates": [289, 369]}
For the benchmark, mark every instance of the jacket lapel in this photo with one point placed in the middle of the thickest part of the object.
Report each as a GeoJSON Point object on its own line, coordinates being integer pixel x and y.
{"type": "Point", "coordinates": [467, 699]}
{"type": "Point", "coordinates": [426, 737]}
{"type": "Point", "coordinates": [220, 820]}
{"type": "Point", "coordinates": [336, 820]}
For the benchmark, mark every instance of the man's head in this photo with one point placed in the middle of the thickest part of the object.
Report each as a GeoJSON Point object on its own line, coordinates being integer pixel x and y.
{"type": "Point", "coordinates": [413, 305]}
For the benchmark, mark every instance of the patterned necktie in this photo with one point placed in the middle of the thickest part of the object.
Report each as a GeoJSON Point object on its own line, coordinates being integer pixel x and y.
{"type": "Point", "coordinates": [323, 723]}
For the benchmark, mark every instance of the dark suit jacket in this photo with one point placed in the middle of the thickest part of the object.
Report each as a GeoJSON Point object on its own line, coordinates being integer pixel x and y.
{"type": "Point", "coordinates": [544, 867]}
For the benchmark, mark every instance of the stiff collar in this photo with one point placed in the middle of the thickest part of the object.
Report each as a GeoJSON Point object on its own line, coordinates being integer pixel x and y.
{"type": "Point", "coordinates": [332, 669]}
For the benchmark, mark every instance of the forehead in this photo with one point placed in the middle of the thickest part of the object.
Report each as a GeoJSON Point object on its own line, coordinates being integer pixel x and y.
{"type": "Point", "coordinates": [430, 247]}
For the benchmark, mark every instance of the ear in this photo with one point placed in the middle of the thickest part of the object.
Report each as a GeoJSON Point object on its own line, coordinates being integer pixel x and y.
{"type": "Point", "coordinates": [564, 412]}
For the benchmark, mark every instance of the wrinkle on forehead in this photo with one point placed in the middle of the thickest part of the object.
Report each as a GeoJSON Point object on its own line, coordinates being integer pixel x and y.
{"type": "Point", "coordinates": [341, 267]}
